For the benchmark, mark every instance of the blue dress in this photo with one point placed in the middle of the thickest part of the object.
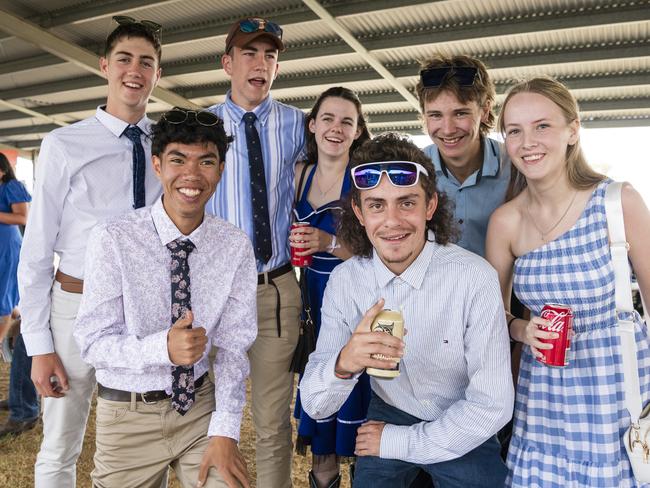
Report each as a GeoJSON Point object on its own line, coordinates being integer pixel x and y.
{"type": "Point", "coordinates": [336, 434]}
{"type": "Point", "coordinates": [10, 240]}
{"type": "Point", "coordinates": [569, 421]}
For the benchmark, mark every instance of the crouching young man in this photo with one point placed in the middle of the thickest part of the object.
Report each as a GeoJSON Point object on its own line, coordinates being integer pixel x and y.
{"type": "Point", "coordinates": [163, 283]}
{"type": "Point", "coordinates": [454, 390]}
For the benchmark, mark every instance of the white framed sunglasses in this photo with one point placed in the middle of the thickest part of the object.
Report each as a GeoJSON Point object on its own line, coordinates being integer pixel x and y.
{"type": "Point", "coordinates": [400, 173]}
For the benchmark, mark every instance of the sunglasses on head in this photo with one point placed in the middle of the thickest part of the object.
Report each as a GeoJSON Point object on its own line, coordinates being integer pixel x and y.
{"type": "Point", "coordinates": [254, 25]}
{"type": "Point", "coordinates": [400, 173]}
{"type": "Point", "coordinates": [434, 77]}
{"type": "Point", "coordinates": [153, 28]}
{"type": "Point", "coordinates": [202, 117]}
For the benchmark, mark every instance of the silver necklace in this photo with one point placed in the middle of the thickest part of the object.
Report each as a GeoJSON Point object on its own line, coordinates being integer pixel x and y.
{"type": "Point", "coordinates": [543, 234]}
{"type": "Point", "coordinates": [329, 189]}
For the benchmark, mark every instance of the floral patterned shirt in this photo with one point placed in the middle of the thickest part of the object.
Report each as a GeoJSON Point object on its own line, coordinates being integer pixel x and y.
{"type": "Point", "coordinates": [125, 313]}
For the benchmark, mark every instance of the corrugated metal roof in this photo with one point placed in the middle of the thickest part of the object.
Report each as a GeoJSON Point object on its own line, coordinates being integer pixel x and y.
{"type": "Point", "coordinates": [601, 49]}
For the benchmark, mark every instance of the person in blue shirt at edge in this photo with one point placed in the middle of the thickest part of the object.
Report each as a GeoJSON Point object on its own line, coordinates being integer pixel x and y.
{"type": "Point", "coordinates": [456, 96]}
{"type": "Point", "coordinates": [256, 194]}
{"type": "Point", "coordinates": [454, 390]}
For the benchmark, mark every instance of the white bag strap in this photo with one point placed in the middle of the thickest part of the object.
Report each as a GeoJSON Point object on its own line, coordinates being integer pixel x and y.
{"type": "Point", "coordinates": [618, 247]}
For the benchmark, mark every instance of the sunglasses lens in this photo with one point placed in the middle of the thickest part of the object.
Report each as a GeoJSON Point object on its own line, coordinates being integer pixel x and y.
{"type": "Point", "coordinates": [176, 116]}
{"type": "Point", "coordinates": [434, 77]}
{"type": "Point", "coordinates": [367, 176]}
{"type": "Point", "coordinates": [274, 29]}
{"type": "Point", "coordinates": [249, 25]}
{"type": "Point", "coordinates": [207, 119]}
{"type": "Point", "coordinates": [403, 174]}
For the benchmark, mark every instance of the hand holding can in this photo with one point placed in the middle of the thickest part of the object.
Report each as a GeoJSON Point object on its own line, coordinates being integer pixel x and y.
{"type": "Point", "coordinates": [560, 321]}
{"type": "Point", "coordinates": [299, 261]}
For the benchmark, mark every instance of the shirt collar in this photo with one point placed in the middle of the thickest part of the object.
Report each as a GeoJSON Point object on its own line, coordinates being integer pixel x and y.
{"type": "Point", "coordinates": [414, 274]}
{"type": "Point", "coordinates": [236, 113]}
{"type": "Point", "coordinates": [489, 167]}
{"type": "Point", "coordinates": [167, 230]}
{"type": "Point", "coordinates": [116, 125]}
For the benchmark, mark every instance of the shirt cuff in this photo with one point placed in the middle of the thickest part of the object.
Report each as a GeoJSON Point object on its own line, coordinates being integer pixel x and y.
{"type": "Point", "coordinates": [225, 424]}
{"type": "Point", "coordinates": [37, 343]}
{"type": "Point", "coordinates": [156, 344]}
{"type": "Point", "coordinates": [394, 442]}
{"type": "Point", "coordinates": [333, 381]}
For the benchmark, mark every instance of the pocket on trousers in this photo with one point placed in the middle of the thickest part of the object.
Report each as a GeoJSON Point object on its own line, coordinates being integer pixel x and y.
{"type": "Point", "coordinates": [109, 414]}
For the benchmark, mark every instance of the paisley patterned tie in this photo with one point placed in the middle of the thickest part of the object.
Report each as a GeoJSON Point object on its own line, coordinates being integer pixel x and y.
{"type": "Point", "coordinates": [182, 376]}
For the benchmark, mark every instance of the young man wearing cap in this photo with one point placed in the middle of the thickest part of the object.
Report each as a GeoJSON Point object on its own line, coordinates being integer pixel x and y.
{"type": "Point", "coordinates": [256, 194]}
{"type": "Point", "coordinates": [87, 171]}
{"type": "Point", "coordinates": [454, 389]}
{"type": "Point", "coordinates": [456, 96]}
{"type": "Point", "coordinates": [155, 401]}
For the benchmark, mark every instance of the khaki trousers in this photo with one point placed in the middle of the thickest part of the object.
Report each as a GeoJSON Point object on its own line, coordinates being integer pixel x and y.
{"type": "Point", "coordinates": [271, 381]}
{"type": "Point", "coordinates": [136, 442]}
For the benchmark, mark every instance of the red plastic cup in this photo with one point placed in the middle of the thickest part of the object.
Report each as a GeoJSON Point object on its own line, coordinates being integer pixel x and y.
{"type": "Point", "coordinates": [300, 261]}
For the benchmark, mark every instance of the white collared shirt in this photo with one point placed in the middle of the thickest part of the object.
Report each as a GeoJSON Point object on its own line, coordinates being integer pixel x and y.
{"type": "Point", "coordinates": [455, 373]}
{"type": "Point", "coordinates": [125, 312]}
{"type": "Point", "coordinates": [84, 175]}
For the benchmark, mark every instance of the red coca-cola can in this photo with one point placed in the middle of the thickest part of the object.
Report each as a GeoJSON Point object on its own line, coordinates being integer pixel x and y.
{"type": "Point", "coordinates": [561, 321]}
{"type": "Point", "coordinates": [300, 261]}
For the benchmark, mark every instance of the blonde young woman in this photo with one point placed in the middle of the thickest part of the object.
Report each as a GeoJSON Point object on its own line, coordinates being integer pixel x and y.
{"type": "Point", "coordinates": [550, 242]}
{"type": "Point", "coordinates": [335, 128]}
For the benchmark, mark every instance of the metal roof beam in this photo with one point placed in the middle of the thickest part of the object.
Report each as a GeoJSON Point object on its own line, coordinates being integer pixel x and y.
{"type": "Point", "coordinates": [597, 81]}
{"type": "Point", "coordinates": [550, 55]}
{"type": "Point", "coordinates": [401, 117]}
{"type": "Point", "coordinates": [470, 29]}
{"type": "Point", "coordinates": [33, 113]}
{"type": "Point", "coordinates": [70, 52]}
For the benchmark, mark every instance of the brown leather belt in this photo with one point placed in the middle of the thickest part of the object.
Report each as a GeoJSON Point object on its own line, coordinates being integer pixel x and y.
{"type": "Point", "coordinates": [147, 397]}
{"type": "Point", "coordinates": [69, 283]}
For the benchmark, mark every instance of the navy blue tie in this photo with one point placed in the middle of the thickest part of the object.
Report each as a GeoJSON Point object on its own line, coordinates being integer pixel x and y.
{"type": "Point", "coordinates": [261, 221]}
{"type": "Point", "coordinates": [182, 376]}
{"type": "Point", "coordinates": [133, 132]}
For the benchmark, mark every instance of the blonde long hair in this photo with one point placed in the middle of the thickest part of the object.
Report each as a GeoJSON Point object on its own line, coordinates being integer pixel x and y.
{"type": "Point", "coordinates": [581, 176]}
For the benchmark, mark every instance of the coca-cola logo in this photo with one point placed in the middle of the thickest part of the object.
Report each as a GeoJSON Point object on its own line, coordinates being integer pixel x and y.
{"type": "Point", "coordinates": [556, 318]}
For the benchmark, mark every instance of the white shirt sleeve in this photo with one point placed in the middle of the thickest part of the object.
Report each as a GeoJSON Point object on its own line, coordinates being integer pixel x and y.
{"type": "Point", "coordinates": [36, 265]}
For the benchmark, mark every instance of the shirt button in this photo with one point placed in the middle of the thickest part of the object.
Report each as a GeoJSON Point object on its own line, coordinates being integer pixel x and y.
{"type": "Point", "coordinates": [460, 221]}
{"type": "Point", "coordinates": [426, 402]}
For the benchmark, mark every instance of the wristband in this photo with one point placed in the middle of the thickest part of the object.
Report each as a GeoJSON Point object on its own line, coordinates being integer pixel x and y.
{"type": "Point", "coordinates": [333, 245]}
{"type": "Point", "coordinates": [341, 376]}
{"type": "Point", "coordinates": [509, 324]}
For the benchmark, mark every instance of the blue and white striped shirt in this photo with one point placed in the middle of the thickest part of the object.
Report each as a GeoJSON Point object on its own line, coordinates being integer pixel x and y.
{"type": "Point", "coordinates": [281, 130]}
{"type": "Point", "coordinates": [455, 374]}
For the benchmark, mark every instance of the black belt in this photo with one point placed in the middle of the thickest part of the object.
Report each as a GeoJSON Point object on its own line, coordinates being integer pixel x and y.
{"type": "Point", "coordinates": [146, 397]}
{"type": "Point", "coordinates": [267, 279]}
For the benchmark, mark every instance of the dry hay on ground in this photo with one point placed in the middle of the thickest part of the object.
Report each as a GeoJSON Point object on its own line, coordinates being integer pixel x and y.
{"type": "Point", "coordinates": [17, 454]}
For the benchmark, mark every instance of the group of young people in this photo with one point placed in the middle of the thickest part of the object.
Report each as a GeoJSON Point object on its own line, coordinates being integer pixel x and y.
{"type": "Point", "coordinates": [174, 238]}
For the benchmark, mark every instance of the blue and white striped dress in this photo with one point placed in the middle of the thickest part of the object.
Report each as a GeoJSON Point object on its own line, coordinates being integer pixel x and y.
{"type": "Point", "coordinates": [569, 421]}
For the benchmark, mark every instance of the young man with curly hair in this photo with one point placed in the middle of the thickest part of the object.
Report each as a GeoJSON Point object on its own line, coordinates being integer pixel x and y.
{"type": "Point", "coordinates": [454, 389]}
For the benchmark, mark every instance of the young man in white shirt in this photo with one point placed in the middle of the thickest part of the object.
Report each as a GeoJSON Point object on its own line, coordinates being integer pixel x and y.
{"type": "Point", "coordinates": [86, 172]}
{"type": "Point", "coordinates": [454, 390]}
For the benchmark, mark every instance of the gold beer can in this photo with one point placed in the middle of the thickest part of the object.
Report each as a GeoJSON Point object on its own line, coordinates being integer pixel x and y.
{"type": "Point", "coordinates": [390, 322]}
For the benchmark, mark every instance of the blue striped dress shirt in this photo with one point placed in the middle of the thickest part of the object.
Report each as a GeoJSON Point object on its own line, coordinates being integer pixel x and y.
{"type": "Point", "coordinates": [281, 130]}
{"type": "Point", "coordinates": [455, 373]}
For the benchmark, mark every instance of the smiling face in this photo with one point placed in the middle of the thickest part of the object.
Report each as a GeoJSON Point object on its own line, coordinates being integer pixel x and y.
{"type": "Point", "coordinates": [455, 128]}
{"type": "Point", "coordinates": [335, 128]}
{"type": "Point", "coordinates": [189, 174]}
{"type": "Point", "coordinates": [252, 69]}
{"type": "Point", "coordinates": [537, 135]}
{"type": "Point", "coordinates": [395, 221]}
{"type": "Point", "coordinates": [132, 71]}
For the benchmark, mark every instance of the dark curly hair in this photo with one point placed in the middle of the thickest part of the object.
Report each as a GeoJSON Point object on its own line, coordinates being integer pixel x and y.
{"type": "Point", "coordinates": [482, 90]}
{"type": "Point", "coordinates": [393, 147]}
{"type": "Point", "coordinates": [188, 132]}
